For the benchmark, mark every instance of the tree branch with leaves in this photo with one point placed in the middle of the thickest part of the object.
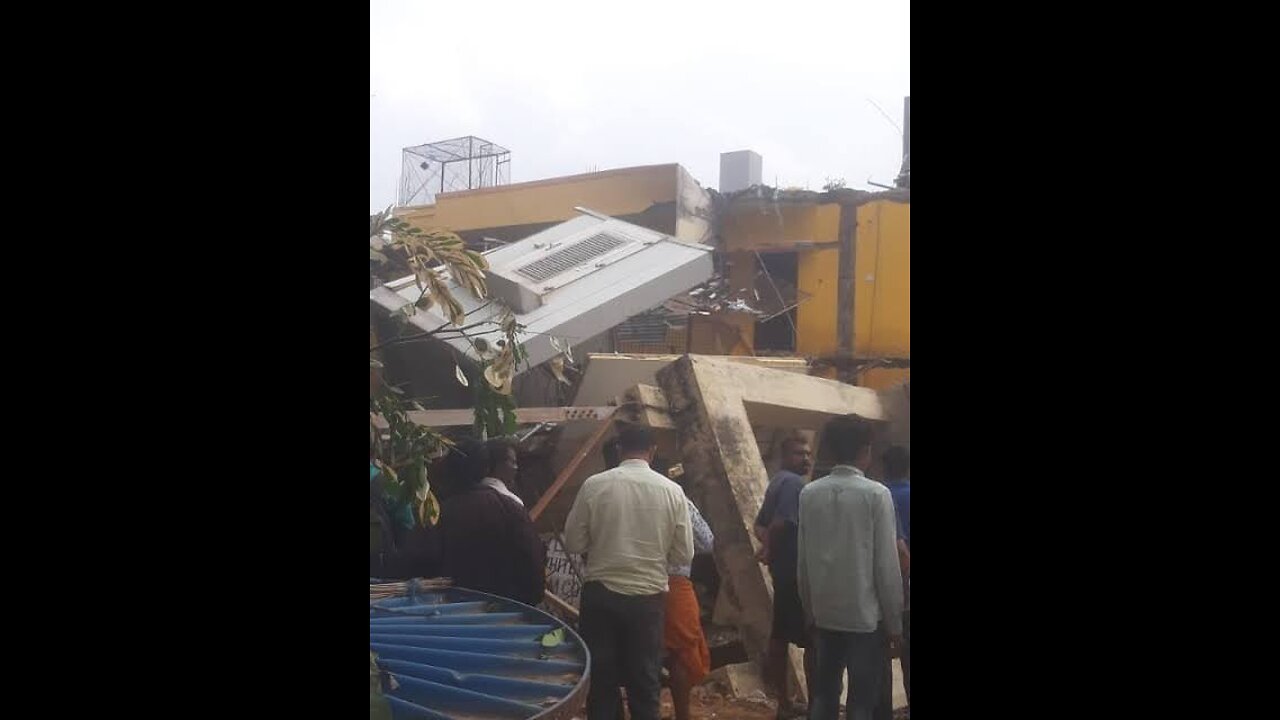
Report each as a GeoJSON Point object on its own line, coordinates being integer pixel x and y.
{"type": "Point", "coordinates": [434, 257]}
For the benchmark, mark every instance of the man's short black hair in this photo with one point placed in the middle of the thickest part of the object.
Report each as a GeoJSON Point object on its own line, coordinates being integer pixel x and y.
{"type": "Point", "coordinates": [846, 438]}
{"type": "Point", "coordinates": [497, 451]}
{"type": "Point", "coordinates": [791, 441]}
{"type": "Point", "coordinates": [635, 439]}
{"type": "Point", "coordinates": [468, 462]}
{"type": "Point", "coordinates": [897, 462]}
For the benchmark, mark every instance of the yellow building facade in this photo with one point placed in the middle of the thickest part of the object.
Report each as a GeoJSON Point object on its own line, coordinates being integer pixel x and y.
{"type": "Point", "coordinates": [841, 259]}
{"type": "Point", "coordinates": [868, 237]}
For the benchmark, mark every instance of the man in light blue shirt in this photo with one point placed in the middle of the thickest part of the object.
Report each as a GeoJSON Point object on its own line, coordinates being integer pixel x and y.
{"type": "Point", "coordinates": [849, 579]}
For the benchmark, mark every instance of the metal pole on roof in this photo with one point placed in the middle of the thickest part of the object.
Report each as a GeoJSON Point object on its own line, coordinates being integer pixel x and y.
{"type": "Point", "coordinates": [906, 126]}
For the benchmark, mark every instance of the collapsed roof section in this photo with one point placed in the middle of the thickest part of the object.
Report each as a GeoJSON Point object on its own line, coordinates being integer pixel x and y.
{"type": "Point", "coordinates": [571, 281]}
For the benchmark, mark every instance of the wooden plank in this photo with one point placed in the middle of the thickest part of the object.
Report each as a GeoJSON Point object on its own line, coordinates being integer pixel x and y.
{"type": "Point", "coordinates": [567, 612]}
{"type": "Point", "coordinates": [587, 447]}
{"type": "Point", "coordinates": [464, 417]}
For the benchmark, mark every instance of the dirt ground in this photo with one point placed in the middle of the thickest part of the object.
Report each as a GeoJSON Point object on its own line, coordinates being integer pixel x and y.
{"type": "Point", "coordinates": [707, 704]}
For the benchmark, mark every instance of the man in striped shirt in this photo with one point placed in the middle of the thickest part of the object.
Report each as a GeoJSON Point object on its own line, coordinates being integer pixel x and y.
{"type": "Point", "coordinates": [688, 656]}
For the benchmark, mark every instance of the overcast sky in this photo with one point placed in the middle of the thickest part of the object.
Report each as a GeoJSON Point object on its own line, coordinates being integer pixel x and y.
{"type": "Point", "coordinates": [570, 86]}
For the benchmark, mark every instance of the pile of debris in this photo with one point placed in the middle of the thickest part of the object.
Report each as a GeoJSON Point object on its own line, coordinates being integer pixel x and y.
{"type": "Point", "coordinates": [720, 420]}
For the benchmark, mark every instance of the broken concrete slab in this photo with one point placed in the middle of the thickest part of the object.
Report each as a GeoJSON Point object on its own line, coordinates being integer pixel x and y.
{"type": "Point", "coordinates": [741, 680]}
{"type": "Point", "coordinates": [646, 405]}
{"type": "Point", "coordinates": [607, 376]}
{"type": "Point", "coordinates": [725, 612]}
{"type": "Point", "coordinates": [897, 405]}
{"type": "Point", "coordinates": [715, 403]}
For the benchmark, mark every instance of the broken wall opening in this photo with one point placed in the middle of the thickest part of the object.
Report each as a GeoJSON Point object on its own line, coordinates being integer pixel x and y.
{"type": "Point", "coordinates": [775, 292]}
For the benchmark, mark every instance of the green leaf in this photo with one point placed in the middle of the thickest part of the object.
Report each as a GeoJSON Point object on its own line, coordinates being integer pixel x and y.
{"type": "Point", "coordinates": [376, 256]}
{"type": "Point", "coordinates": [390, 473]}
{"type": "Point", "coordinates": [553, 638]}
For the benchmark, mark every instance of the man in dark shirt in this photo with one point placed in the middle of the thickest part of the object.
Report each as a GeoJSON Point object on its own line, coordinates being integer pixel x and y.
{"type": "Point", "coordinates": [897, 477]}
{"type": "Point", "coordinates": [488, 541]}
{"type": "Point", "coordinates": [776, 528]}
{"type": "Point", "coordinates": [897, 474]}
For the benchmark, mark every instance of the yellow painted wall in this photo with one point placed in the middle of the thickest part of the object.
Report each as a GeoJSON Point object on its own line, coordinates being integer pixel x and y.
{"type": "Point", "coordinates": [882, 294]}
{"type": "Point", "coordinates": [884, 378]}
{"type": "Point", "coordinates": [764, 226]}
{"type": "Point", "coordinates": [816, 317]}
{"type": "Point", "coordinates": [882, 289]}
{"type": "Point", "coordinates": [612, 192]}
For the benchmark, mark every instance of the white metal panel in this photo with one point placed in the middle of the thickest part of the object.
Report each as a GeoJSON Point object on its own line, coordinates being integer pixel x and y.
{"type": "Point", "coordinates": [583, 303]}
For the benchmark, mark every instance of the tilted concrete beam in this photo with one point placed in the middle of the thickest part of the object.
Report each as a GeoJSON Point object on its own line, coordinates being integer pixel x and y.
{"type": "Point", "coordinates": [714, 403]}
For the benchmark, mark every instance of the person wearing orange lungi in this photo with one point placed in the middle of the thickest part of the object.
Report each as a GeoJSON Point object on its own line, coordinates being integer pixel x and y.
{"type": "Point", "coordinates": [688, 657]}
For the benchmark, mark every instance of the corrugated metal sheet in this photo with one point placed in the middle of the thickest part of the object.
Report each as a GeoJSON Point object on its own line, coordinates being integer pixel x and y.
{"type": "Point", "coordinates": [459, 653]}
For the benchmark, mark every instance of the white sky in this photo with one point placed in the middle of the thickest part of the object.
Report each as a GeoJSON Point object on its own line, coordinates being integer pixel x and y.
{"type": "Point", "coordinates": [569, 86]}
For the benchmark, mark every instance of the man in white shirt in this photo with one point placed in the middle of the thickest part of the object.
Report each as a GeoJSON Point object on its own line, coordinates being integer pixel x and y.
{"type": "Point", "coordinates": [632, 523]}
{"type": "Point", "coordinates": [849, 578]}
{"type": "Point", "coordinates": [502, 467]}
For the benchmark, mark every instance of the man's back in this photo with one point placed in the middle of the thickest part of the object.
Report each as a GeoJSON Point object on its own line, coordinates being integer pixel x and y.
{"type": "Point", "coordinates": [490, 545]}
{"type": "Point", "coordinates": [849, 575]}
{"type": "Point", "coordinates": [631, 522]}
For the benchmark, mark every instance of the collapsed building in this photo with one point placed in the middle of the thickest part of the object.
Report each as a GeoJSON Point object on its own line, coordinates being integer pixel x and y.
{"type": "Point", "coordinates": [818, 274]}
{"type": "Point", "coordinates": [724, 319]}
